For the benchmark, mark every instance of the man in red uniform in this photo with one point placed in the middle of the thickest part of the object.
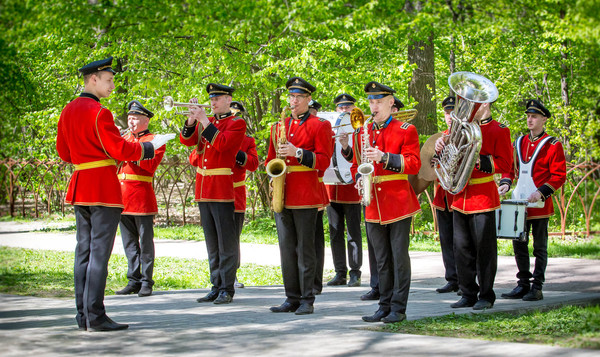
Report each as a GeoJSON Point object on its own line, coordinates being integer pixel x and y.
{"type": "Point", "coordinates": [442, 203]}
{"type": "Point", "coordinates": [88, 138]}
{"type": "Point", "coordinates": [306, 153]}
{"type": "Point", "coordinates": [217, 140]}
{"type": "Point", "coordinates": [246, 159]}
{"type": "Point", "coordinates": [548, 174]}
{"type": "Point", "coordinates": [344, 206]}
{"type": "Point", "coordinates": [475, 242]}
{"type": "Point", "coordinates": [137, 218]}
{"type": "Point", "coordinates": [392, 147]}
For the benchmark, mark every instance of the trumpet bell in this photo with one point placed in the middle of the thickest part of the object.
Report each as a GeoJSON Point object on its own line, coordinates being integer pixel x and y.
{"type": "Point", "coordinates": [168, 103]}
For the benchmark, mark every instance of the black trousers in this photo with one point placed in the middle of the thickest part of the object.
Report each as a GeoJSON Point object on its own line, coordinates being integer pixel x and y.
{"type": "Point", "coordinates": [539, 229]}
{"type": "Point", "coordinates": [390, 244]}
{"type": "Point", "coordinates": [222, 243]}
{"type": "Point", "coordinates": [239, 225]}
{"type": "Point", "coordinates": [296, 234]}
{"type": "Point", "coordinates": [337, 212]}
{"type": "Point", "coordinates": [476, 254]}
{"type": "Point", "coordinates": [446, 228]}
{"type": "Point", "coordinates": [320, 252]}
{"type": "Point", "coordinates": [96, 230]}
{"type": "Point", "coordinates": [137, 233]}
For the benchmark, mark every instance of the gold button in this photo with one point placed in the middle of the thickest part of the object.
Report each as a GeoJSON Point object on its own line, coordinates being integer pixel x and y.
{"type": "Point", "coordinates": [291, 134]}
{"type": "Point", "coordinates": [378, 188]}
{"type": "Point", "coordinates": [207, 146]}
{"type": "Point", "coordinates": [205, 160]}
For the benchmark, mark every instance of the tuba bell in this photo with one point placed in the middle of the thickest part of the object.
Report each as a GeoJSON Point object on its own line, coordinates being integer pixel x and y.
{"type": "Point", "coordinates": [454, 164]}
{"type": "Point", "coordinates": [277, 167]}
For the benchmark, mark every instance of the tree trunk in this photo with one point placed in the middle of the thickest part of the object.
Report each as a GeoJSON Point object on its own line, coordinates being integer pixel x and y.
{"type": "Point", "coordinates": [422, 85]}
{"type": "Point", "coordinates": [564, 92]}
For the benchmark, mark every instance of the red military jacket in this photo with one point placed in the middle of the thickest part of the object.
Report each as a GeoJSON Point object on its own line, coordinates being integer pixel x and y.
{"type": "Point", "coordinates": [313, 135]}
{"type": "Point", "coordinates": [441, 194]}
{"type": "Point", "coordinates": [136, 179]}
{"type": "Point", "coordinates": [245, 160]}
{"type": "Point", "coordinates": [217, 146]}
{"type": "Point", "coordinates": [549, 171]}
{"type": "Point", "coordinates": [87, 136]}
{"type": "Point", "coordinates": [481, 193]}
{"type": "Point", "coordinates": [345, 193]}
{"type": "Point", "coordinates": [393, 199]}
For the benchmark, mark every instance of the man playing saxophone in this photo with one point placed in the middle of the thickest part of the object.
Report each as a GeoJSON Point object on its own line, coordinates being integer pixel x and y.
{"type": "Point", "coordinates": [392, 147]}
{"type": "Point", "coordinates": [306, 150]}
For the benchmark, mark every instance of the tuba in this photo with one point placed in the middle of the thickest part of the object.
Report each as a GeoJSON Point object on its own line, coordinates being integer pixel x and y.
{"type": "Point", "coordinates": [366, 168]}
{"type": "Point", "coordinates": [454, 164]}
{"type": "Point", "coordinates": [276, 168]}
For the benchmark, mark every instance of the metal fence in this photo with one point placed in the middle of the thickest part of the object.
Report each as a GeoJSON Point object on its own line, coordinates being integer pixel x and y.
{"type": "Point", "coordinates": [32, 188]}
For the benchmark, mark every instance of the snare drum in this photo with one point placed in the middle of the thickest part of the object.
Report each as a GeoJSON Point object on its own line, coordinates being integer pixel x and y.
{"type": "Point", "coordinates": [338, 172]}
{"type": "Point", "coordinates": [510, 220]}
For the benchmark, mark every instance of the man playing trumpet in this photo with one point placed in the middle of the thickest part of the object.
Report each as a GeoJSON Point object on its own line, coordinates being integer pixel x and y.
{"type": "Point", "coordinates": [217, 140]}
{"type": "Point", "coordinates": [306, 150]}
{"type": "Point", "coordinates": [392, 147]}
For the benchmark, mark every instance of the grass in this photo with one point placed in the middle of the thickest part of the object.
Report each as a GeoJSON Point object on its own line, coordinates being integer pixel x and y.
{"type": "Point", "coordinates": [567, 326]}
{"type": "Point", "coordinates": [50, 274]}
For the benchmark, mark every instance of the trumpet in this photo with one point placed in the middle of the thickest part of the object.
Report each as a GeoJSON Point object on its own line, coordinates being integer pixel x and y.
{"type": "Point", "coordinates": [169, 105]}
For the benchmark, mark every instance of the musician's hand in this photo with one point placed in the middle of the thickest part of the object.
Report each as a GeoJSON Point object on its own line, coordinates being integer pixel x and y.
{"type": "Point", "coordinates": [193, 116]}
{"type": "Point", "coordinates": [344, 140]}
{"type": "Point", "coordinates": [373, 154]}
{"type": "Point", "coordinates": [503, 189]}
{"type": "Point", "coordinates": [534, 197]}
{"type": "Point", "coordinates": [440, 144]}
{"type": "Point", "coordinates": [287, 149]}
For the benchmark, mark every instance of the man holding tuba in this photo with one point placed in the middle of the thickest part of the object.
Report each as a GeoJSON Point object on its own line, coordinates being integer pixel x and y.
{"type": "Point", "coordinates": [305, 149]}
{"type": "Point", "coordinates": [473, 216]}
{"type": "Point", "coordinates": [392, 147]}
{"type": "Point", "coordinates": [217, 139]}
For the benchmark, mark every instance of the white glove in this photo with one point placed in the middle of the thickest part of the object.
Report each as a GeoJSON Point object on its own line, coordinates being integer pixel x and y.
{"type": "Point", "coordinates": [161, 139]}
{"type": "Point", "coordinates": [503, 189]}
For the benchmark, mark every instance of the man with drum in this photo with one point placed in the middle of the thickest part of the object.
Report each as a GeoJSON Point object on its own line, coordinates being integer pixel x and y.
{"type": "Point", "coordinates": [217, 139]}
{"type": "Point", "coordinates": [541, 162]}
{"type": "Point", "coordinates": [473, 214]}
{"type": "Point", "coordinates": [137, 218]}
{"type": "Point", "coordinates": [344, 205]}
{"type": "Point", "coordinates": [392, 147]}
{"type": "Point", "coordinates": [306, 150]}
{"type": "Point", "coordinates": [442, 203]}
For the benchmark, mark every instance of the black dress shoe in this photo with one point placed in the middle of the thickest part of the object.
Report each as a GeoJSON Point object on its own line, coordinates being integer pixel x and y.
{"type": "Point", "coordinates": [463, 302]}
{"type": "Point", "coordinates": [223, 298]}
{"type": "Point", "coordinates": [354, 279]}
{"type": "Point", "coordinates": [316, 292]}
{"type": "Point", "coordinates": [285, 307]}
{"type": "Point", "coordinates": [305, 309]}
{"type": "Point", "coordinates": [516, 293]}
{"type": "Point", "coordinates": [448, 288]}
{"type": "Point", "coordinates": [371, 295]}
{"type": "Point", "coordinates": [238, 285]}
{"type": "Point", "coordinates": [394, 317]}
{"type": "Point", "coordinates": [109, 325]}
{"type": "Point", "coordinates": [145, 291]}
{"type": "Point", "coordinates": [80, 322]}
{"type": "Point", "coordinates": [338, 279]}
{"type": "Point", "coordinates": [482, 305]}
{"type": "Point", "coordinates": [376, 317]}
{"type": "Point", "coordinates": [533, 295]}
{"type": "Point", "coordinates": [211, 296]}
{"type": "Point", "coordinates": [129, 289]}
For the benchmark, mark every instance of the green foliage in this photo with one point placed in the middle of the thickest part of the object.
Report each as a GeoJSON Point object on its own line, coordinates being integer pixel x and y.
{"type": "Point", "coordinates": [568, 326]}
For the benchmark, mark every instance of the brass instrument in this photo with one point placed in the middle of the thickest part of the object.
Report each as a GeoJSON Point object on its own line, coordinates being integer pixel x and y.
{"type": "Point", "coordinates": [454, 164]}
{"type": "Point", "coordinates": [276, 168]}
{"type": "Point", "coordinates": [366, 167]}
{"type": "Point", "coordinates": [169, 105]}
{"type": "Point", "coordinates": [405, 115]}
{"type": "Point", "coordinates": [355, 123]}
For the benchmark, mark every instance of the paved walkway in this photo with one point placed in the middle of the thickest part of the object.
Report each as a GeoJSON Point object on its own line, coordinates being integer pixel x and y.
{"type": "Point", "coordinates": [172, 323]}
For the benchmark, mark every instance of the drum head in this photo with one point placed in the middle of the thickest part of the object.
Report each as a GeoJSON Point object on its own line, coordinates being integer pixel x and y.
{"type": "Point", "coordinates": [338, 171]}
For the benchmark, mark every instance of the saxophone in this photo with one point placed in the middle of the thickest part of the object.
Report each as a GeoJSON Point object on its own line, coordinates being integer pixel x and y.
{"type": "Point", "coordinates": [276, 168]}
{"type": "Point", "coordinates": [366, 168]}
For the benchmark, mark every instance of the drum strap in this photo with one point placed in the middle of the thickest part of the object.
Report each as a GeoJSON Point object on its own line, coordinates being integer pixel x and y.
{"type": "Point", "coordinates": [525, 185]}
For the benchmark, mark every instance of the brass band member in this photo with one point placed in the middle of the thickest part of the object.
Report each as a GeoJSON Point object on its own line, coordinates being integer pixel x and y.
{"type": "Point", "coordinates": [137, 218]}
{"type": "Point", "coordinates": [442, 203]}
{"type": "Point", "coordinates": [548, 173]}
{"type": "Point", "coordinates": [393, 148]}
{"type": "Point", "coordinates": [217, 139]}
{"type": "Point", "coordinates": [307, 151]}
{"type": "Point", "coordinates": [345, 207]}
